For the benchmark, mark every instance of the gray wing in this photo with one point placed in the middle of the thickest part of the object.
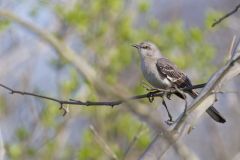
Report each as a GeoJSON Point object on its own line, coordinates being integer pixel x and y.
{"type": "Point", "coordinates": [172, 73]}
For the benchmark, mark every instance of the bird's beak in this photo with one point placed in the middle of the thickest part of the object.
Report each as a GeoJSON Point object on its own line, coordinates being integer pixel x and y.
{"type": "Point", "coordinates": [136, 46]}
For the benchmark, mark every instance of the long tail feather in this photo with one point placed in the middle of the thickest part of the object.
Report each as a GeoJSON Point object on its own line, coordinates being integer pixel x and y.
{"type": "Point", "coordinates": [212, 112]}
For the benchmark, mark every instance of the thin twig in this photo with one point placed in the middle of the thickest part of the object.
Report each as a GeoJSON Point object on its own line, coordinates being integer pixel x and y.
{"type": "Point", "coordinates": [230, 51]}
{"type": "Point", "coordinates": [140, 131]}
{"type": "Point", "coordinates": [226, 16]}
{"type": "Point", "coordinates": [102, 143]}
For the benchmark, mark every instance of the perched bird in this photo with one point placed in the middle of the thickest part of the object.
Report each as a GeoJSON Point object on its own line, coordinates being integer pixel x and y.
{"type": "Point", "coordinates": [163, 74]}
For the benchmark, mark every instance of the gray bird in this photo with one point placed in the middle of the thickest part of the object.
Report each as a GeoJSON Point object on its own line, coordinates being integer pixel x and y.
{"type": "Point", "coordinates": [163, 74]}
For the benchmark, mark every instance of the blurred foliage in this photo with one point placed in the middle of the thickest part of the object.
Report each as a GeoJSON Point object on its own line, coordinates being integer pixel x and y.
{"type": "Point", "coordinates": [143, 6]}
{"type": "Point", "coordinates": [4, 24]}
{"type": "Point", "coordinates": [49, 114]}
{"type": "Point", "coordinates": [3, 105]}
{"type": "Point", "coordinates": [22, 134]}
{"type": "Point", "coordinates": [71, 85]}
{"type": "Point", "coordinates": [89, 149]}
{"type": "Point", "coordinates": [211, 16]}
{"type": "Point", "coordinates": [108, 28]}
{"type": "Point", "coordinates": [14, 151]}
{"type": "Point", "coordinates": [113, 26]}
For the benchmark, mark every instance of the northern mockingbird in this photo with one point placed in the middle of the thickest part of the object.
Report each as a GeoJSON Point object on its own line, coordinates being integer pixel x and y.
{"type": "Point", "coordinates": [163, 74]}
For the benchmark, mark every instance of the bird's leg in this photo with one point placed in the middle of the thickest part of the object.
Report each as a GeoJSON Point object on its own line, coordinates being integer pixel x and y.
{"type": "Point", "coordinates": [170, 120]}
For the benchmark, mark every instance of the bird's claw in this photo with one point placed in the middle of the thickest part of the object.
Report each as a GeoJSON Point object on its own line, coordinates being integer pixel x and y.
{"type": "Point", "coordinates": [169, 122]}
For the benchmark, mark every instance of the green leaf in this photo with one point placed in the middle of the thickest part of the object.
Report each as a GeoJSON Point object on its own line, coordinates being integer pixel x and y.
{"type": "Point", "coordinates": [22, 133]}
{"type": "Point", "coordinates": [211, 17]}
{"type": "Point", "coordinates": [89, 149]}
{"type": "Point", "coordinates": [15, 151]}
{"type": "Point", "coordinates": [4, 24]}
{"type": "Point", "coordinates": [143, 6]}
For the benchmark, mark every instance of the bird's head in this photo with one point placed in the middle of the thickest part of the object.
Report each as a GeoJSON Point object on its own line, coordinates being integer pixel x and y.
{"type": "Point", "coordinates": [148, 50]}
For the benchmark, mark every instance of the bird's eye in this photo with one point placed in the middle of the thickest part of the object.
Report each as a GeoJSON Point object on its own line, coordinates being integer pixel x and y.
{"type": "Point", "coordinates": [146, 47]}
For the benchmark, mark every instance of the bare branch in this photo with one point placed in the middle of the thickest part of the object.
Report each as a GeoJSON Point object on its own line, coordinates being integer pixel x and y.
{"type": "Point", "coordinates": [226, 16]}
{"type": "Point", "coordinates": [139, 133]}
{"type": "Point", "coordinates": [208, 95]}
{"type": "Point", "coordinates": [102, 143]}
{"type": "Point", "coordinates": [62, 103]}
{"type": "Point", "coordinates": [160, 145]}
{"type": "Point", "coordinates": [145, 114]}
{"type": "Point", "coordinates": [230, 51]}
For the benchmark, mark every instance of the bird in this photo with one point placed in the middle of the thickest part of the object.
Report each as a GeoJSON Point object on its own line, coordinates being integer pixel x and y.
{"type": "Point", "coordinates": [161, 73]}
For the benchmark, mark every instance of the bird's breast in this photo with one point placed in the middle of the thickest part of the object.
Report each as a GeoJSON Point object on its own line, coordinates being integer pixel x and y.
{"type": "Point", "coordinates": [151, 74]}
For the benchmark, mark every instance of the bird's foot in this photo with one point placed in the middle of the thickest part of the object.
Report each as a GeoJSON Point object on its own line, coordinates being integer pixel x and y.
{"type": "Point", "coordinates": [170, 122]}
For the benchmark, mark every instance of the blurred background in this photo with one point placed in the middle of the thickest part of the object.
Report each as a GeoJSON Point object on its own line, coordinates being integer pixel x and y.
{"type": "Point", "coordinates": [101, 33]}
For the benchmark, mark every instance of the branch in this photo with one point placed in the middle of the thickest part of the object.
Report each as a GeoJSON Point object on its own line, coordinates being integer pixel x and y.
{"type": "Point", "coordinates": [146, 114]}
{"type": "Point", "coordinates": [157, 93]}
{"type": "Point", "coordinates": [139, 133]}
{"type": "Point", "coordinates": [226, 16]}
